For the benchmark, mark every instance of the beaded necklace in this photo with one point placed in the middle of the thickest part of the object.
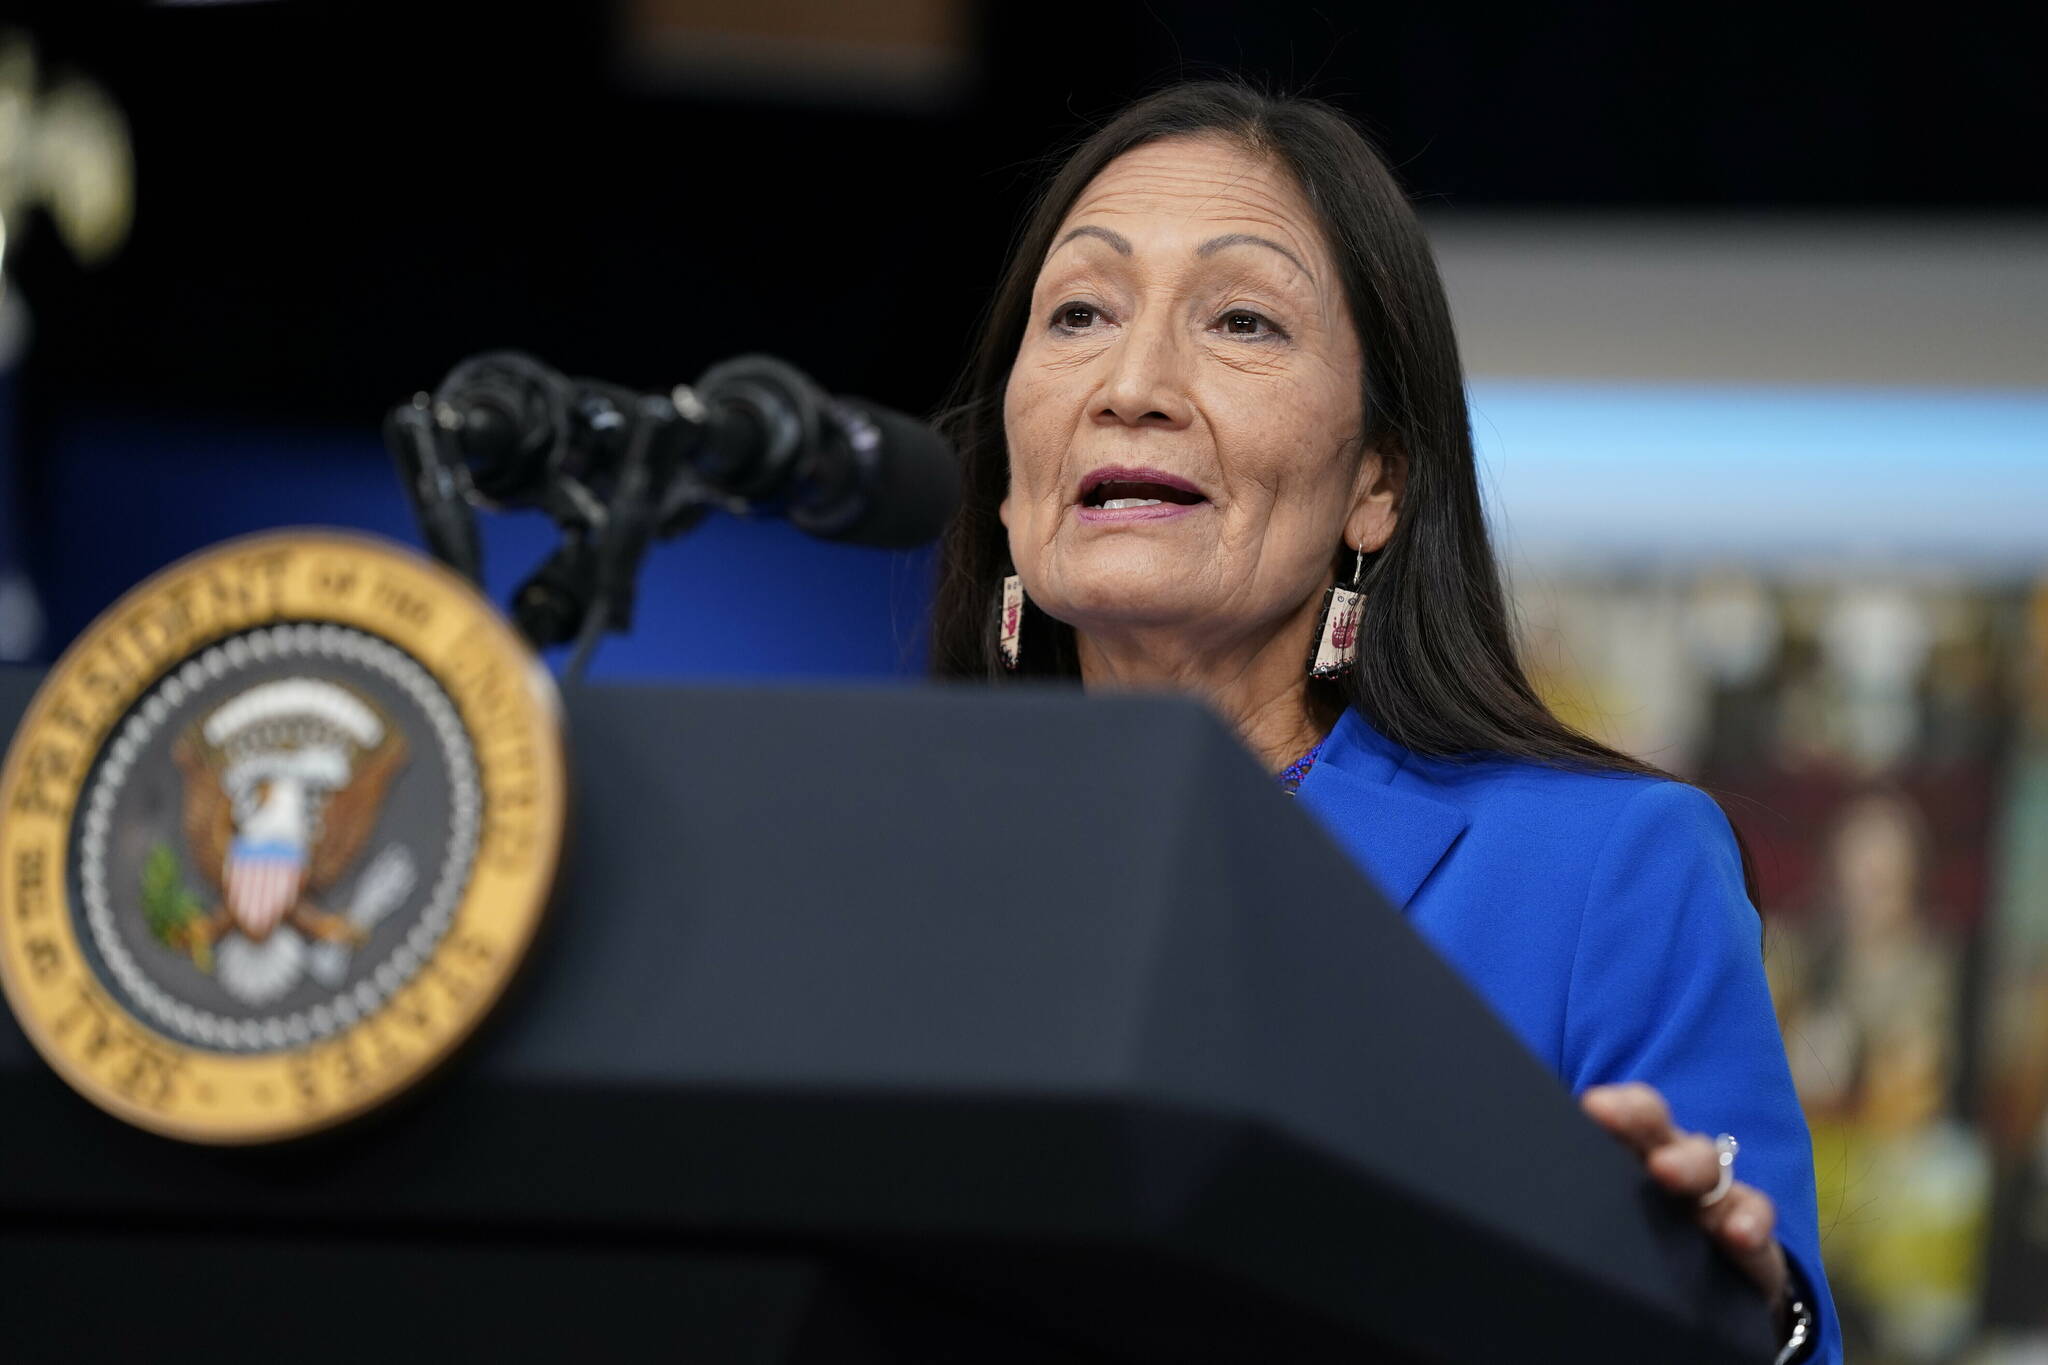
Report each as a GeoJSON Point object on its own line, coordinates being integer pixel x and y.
{"type": "Point", "coordinates": [1291, 775]}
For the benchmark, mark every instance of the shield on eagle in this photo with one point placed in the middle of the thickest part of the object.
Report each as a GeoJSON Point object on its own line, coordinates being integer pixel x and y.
{"type": "Point", "coordinates": [261, 882]}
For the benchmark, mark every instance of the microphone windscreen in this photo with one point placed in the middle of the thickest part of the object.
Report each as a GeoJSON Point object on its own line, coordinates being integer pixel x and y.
{"type": "Point", "coordinates": [915, 483]}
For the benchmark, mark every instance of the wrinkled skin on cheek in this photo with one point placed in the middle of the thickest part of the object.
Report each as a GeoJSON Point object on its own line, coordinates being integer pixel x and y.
{"type": "Point", "coordinates": [1191, 321]}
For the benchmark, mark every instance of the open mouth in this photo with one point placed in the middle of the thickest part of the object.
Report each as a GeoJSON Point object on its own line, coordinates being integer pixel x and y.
{"type": "Point", "coordinates": [1121, 493]}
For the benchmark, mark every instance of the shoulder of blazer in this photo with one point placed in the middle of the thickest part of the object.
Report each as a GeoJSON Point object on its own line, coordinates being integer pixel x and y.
{"type": "Point", "coordinates": [1397, 813]}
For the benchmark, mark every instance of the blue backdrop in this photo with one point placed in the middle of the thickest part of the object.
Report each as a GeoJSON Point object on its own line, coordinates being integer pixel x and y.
{"type": "Point", "coordinates": [735, 598]}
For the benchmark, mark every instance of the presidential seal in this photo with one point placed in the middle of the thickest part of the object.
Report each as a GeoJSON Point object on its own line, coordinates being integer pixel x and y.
{"type": "Point", "coordinates": [274, 834]}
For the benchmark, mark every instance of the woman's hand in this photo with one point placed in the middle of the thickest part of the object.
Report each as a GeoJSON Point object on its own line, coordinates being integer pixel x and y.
{"type": "Point", "coordinates": [1686, 1164]}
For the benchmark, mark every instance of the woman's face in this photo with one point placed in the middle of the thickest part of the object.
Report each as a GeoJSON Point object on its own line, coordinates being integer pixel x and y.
{"type": "Point", "coordinates": [1184, 416]}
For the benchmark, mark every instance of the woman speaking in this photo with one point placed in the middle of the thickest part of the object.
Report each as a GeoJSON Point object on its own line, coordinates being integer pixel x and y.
{"type": "Point", "coordinates": [1215, 440]}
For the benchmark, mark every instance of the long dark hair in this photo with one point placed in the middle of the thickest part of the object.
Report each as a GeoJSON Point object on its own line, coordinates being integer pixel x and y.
{"type": "Point", "coordinates": [1437, 668]}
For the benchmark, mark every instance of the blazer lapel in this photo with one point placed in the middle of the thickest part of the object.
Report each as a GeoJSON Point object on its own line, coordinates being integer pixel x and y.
{"type": "Point", "coordinates": [1397, 837]}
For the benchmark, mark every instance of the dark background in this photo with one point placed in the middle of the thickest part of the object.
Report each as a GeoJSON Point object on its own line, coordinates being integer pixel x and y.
{"type": "Point", "coordinates": [336, 202]}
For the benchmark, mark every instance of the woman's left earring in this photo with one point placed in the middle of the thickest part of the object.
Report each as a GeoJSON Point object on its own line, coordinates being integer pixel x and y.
{"type": "Point", "coordinates": [1337, 632]}
{"type": "Point", "coordinates": [1010, 621]}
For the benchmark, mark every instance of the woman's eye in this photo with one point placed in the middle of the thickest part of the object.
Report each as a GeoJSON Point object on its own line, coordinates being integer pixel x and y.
{"type": "Point", "coordinates": [1242, 322]}
{"type": "Point", "coordinates": [1075, 317]}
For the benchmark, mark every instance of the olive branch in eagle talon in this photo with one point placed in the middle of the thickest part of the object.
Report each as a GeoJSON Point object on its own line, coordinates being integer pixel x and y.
{"type": "Point", "coordinates": [271, 832]}
{"type": "Point", "coordinates": [171, 909]}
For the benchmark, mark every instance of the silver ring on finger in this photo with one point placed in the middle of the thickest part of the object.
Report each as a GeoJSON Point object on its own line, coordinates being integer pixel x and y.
{"type": "Point", "coordinates": [1725, 1148]}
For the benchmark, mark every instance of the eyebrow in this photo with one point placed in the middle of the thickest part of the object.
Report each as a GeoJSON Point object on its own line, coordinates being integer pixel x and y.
{"type": "Point", "coordinates": [1117, 241]}
{"type": "Point", "coordinates": [1216, 244]}
{"type": "Point", "coordinates": [1122, 244]}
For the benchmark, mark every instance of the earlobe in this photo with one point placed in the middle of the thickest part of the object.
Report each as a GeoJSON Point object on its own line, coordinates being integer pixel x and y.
{"type": "Point", "coordinates": [1370, 528]}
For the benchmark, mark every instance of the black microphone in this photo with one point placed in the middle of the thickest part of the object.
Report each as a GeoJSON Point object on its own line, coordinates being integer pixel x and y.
{"type": "Point", "coordinates": [839, 468]}
{"type": "Point", "coordinates": [501, 419]}
{"type": "Point", "coordinates": [616, 469]}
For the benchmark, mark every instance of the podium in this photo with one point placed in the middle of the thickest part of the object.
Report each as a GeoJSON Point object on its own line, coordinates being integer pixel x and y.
{"type": "Point", "coordinates": [934, 1024]}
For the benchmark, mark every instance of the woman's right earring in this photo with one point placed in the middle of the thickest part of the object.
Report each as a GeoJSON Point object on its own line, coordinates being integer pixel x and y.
{"type": "Point", "coordinates": [1337, 633]}
{"type": "Point", "coordinates": [1010, 621]}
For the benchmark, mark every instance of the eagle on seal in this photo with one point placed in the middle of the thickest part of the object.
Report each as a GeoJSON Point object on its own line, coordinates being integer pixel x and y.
{"type": "Point", "coordinates": [282, 788]}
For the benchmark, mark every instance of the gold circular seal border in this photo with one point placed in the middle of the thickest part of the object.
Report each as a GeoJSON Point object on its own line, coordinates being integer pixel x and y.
{"type": "Point", "coordinates": [508, 705]}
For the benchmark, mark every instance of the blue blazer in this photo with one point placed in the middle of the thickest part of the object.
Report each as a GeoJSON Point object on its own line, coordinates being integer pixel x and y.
{"type": "Point", "coordinates": [1604, 918]}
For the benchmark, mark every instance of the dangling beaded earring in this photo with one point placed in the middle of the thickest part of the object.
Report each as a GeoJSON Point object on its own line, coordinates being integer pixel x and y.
{"type": "Point", "coordinates": [1337, 633]}
{"type": "Point", "coordinates": [1010, 620]}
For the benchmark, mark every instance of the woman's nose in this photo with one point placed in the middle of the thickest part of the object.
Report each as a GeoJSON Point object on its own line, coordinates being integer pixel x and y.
{"type": "Point", "coordinates": [1145, 385]}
